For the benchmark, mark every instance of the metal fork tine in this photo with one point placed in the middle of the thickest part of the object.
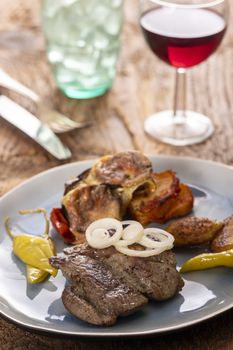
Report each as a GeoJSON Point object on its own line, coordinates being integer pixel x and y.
{"type": "Point", "coordinates": [60, 118]}
{"type": "Point", "coordinates": [56, 120]}
{"type": "Point", "coordinates": [59, 123]}
{"type": "Point", "coordinates": [60, 126]}
{"type": "Point", "coordinates": [58, 129]}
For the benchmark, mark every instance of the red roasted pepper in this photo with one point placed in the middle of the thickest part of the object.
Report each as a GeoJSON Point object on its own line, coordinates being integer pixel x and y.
{"type": "Point", "coordinates": [61, 225]}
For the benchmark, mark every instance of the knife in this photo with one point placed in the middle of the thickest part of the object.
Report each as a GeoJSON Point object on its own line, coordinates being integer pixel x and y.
{"type": "Point", "coordinates": [33, 127]}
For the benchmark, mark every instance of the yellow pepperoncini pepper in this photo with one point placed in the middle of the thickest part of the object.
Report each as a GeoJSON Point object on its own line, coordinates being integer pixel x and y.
{"type": "Point", "coordinates": [208, 260]}
{"type": "Point", "coordinates": [34, 251]}
{"type": "Point", "coordinates": [35, 275]}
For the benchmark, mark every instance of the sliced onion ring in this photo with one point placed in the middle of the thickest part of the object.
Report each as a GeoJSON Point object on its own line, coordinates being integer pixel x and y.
{"type": "Point", "coordinates": [98, 235]}
{"type": "Point", "coordinates": [154, 240]}
{"type": "Point", "coordinates": [160, 238]}
{"type": "Point", "coordinates": [138, 253]}
{"type": "Point", "coordinates": [132, 233]}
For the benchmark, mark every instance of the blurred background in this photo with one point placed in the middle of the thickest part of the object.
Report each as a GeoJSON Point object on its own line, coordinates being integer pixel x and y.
{"type": "Point", "coordinates": [142, 86]}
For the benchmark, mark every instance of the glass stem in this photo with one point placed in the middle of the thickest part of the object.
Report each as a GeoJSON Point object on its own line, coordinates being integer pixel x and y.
{"type": "Point", "coordinates": [179, 107]}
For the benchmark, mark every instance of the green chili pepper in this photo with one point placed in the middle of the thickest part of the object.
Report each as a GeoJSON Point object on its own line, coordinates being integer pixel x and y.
{"type": "Point", "coordinates": [209, 260]}
{"type": "Point", "coordinates": [34, 251]}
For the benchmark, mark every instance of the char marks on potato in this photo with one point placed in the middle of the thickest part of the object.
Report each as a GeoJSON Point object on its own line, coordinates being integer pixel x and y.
{"type": "Point", "coordinates": [169, 199]}
{"type": "Point", "coordinates": [224, 239]}
{"type": "Point", "coordinates": [87, 203]}
{"type": "Point", "coordinates": [125, 169]}
{"type": "Point", "coordinates": [194, 230]}
{"type": "Point", "coordinates": [121, 186]}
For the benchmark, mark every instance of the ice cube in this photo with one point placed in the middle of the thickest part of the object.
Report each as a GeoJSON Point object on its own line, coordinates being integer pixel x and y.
{"type": "Point", "coordinates": [55, 53]}
{"type": "Point", "coordinates": [55, 27]}
{"type": "Point", "coordinates": [100, 13]}
{"type": "Point", "coordinates": [64, 76]}
{"type": "Point", "coordinates": [60, 28]}
{"type": "Point", "coordinates": [81, 61]}
{"type": "Point", "coordinates": [100, 40]}
{"type": "Point", "coordinates": [113, 23]}
{"type": "Point", "coordinates": [51, 7]}
{"type": "Point", "coordinates": [77, 8]}
{"type": "Point", "coordinates": [116, 3]}
{"type": "Point", "coordinates": [109, 59]}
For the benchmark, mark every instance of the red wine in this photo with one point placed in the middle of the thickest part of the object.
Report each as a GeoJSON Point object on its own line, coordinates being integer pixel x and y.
{"type": "Point", "coordinates": [183, 37]}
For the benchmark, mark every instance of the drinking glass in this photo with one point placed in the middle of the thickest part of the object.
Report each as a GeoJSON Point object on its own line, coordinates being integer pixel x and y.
{"type": "Point", "coordinates": [83, 39]}
{"type": "Point", "coordinates": [183, 34]}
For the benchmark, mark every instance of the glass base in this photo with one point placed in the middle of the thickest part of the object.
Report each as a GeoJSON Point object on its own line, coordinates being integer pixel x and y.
{"type": "Point", "coordinates": [75, 92]}
{"type": "Point", "coordinates": [179, 131]}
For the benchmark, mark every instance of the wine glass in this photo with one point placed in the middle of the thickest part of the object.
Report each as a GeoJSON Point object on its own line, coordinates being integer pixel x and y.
{"type": "Point", "coordinates": [183, 34]}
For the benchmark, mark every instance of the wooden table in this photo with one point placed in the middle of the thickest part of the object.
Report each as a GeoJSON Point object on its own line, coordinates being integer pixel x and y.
{"type": "Point", "coordinates": [143, 85]}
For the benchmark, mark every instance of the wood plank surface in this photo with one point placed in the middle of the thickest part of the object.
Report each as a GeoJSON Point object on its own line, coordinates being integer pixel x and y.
{"type": "Point", "coordinates": [143, 85]}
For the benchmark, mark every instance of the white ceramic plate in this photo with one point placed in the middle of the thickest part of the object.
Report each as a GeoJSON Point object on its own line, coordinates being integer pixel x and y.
{"type": "Point", "coordinates": [39, 307]}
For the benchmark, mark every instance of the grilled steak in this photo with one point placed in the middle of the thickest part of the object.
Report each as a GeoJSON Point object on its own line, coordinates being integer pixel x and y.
{"type": "Point", "coordinates": [82, 309]}
{"type": "Point", "coordinates": [155, 276]}
{"type": "Point", "coordinates": [105, 284]}
{"type": "Point", "coordinates": [95, 295]}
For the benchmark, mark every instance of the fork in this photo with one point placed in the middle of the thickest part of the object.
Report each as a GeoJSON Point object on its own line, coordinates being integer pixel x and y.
{"type": "Point", "coordinates": [57, 121]}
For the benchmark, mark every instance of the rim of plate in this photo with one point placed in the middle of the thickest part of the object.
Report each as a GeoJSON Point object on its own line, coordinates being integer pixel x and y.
{"type": "Point", "coordinates": [88, 161]}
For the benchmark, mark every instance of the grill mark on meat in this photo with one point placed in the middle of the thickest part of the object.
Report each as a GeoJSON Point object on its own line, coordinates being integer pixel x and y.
{"type": "Point", "coordinates": [106, 284]}
{"type": "Point", "coordinates": [83, 310]}
{"type": "Point", "coordinates": [94, 282]}
{"type": "Point", "coordinates": [156, 280]}
{"type": "Point", "coordinates": [155, 276]}
{"type": "Point", "coordinates": [167, 257]}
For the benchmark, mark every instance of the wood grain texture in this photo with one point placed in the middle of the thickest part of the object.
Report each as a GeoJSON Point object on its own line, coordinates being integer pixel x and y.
{"type": "Point", "coordinates": [143, 85]}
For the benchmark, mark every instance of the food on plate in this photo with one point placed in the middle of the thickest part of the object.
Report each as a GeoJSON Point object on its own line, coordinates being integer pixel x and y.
{"type": "Point", "coordinates": [34, 251]}
{"type": "Point", "coordinates": [209, 260]}
{"type": "Point", "coordinates": [119, 186]}
{"type": "Point", "coordinates": [105, 283]}
{"type": "Point", "coordinates": [181, 205]}
{"type": "Point", "coordinates": [87, 203]}
{"type": "Point", "coordinates": [125, 169]}
{"type": "Point", "coordinates": [128, 237]}
{"type": "Point", "coordinates": [121, 266]}
{"type": "Point", "coordinates": [95, 295]}
{"type": "Point", "coordinates": [224, 239]}
{"type": "Point", "coordinates": [105, 190]}
{"type": "Point", "coordinates": [35, 275]}
{"type": "Point", "coordinates": [170, 199]}
{"type": "Point", "coordinates": [194, 230]}
{"type": "Point", "coordinates": [61, 224]}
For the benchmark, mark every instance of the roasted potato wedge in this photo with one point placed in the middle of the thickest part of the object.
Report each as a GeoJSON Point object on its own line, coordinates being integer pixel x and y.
{"type": "Point", "coordinates": [125, 169]}
{"type": "Point", "coordinates": [148, 207]}
{"type": "Point", "coordinates": [170, 199]}
{"type": "Point", "coordinates": [194, 230]}
{"type": "Point", "coordinates": [224, 239]}
{"type": "Point", "coordinates": [85, 204]}
{"type": "Point", "coordinates": [181, 205]}
{"type": "Point", "coordinates": [167, 185]}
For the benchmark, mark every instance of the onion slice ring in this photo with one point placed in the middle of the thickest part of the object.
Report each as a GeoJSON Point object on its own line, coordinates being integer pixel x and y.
{"type": "Point", "coordinates": [108, 232]}
{"type": "Point", "coordinates": [132, 233]}
{"type": "Point", "coordinates": [103, 233]}
{"type": "Point", "coordinates": [138, 253]}
{"type": "Point", "coordinates": [156, 238]}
